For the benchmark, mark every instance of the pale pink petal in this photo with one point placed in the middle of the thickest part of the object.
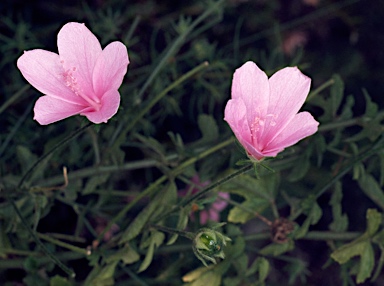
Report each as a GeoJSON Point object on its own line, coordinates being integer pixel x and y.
{"type": "Point", "coordinates": [213, 215]}
{"type": "Point", "coordinates": [42, 69]}
{"type": "Point", "coordinates": [252, 86]}
{"type": "Point", "coordinates": [110, 68]}
{"type": "Point", "coordinates": [49, 109]}
{"type": "Point", "coordinates": [289, 89]}
{"type": "Point", "coordinates": [79, 50]}
{"type": "Point", "coordinates": [302, 125]}
{"type": "Point", "coordinates": [109, 105]}
{"type": "Point", "coordinates": [235, 114]}
{"type": "Point", "coordinates": [204, 217]}
{"type": "Point", "coordinates": [220, 204]}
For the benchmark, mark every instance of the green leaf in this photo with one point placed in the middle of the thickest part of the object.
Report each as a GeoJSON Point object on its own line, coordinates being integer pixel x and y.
{"type": "Point", "coordinates": [337, 93]}
{"type": "Point", "coordinates": [102, 276]}
{"type": "Point", "coordinates": [127, 254]}
{"type": "Point", "coordinates": [260, 265]}
{"type": "Point", "coordinates": [156, 239]}
{"type": "Point", "coordinates": [340, 221]}
{"type": "Point", "coordinates": [257, 193]}
{"type": "Point", "coordinates": [362, 247]}
{"type": "Point", "coordinates": [371, 108]}
{"type": "Point", "coordinates": [314, 215]}
{"type": "Point", "coordinates": [372, 189]}
{"type": "Point", "coordinates": [301, 167]}
{"type": "Point", "coordinates": [276, 249]}
{"type": "Point", "coordinates": [181, 224]}
{"type": "Point", "coordinates": [367, 263]}
{"type": "Point", "coordinates": [94, 182]}
{"type": "Point", "coordinates": [59, 281]}
{"type": "Point", "coordinates": [208, 128]}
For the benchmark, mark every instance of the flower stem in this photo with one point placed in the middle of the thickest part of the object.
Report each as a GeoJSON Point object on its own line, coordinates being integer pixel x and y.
{"type": "Point", "coordinates": [39, 243]}
{"type": "Point", "coordinates": [162, 179]}
{"type": "Point", "coordinates": [57, 146]}
{"type": "Point", "coordinates": [186, 234]}
{"type": "Point", "coordinates": [63, 244]}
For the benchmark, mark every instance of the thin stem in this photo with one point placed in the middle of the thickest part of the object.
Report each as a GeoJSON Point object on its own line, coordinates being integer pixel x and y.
{"type": "Point", "coordinates": [206, 190]}
{"type": "Point", "coordinates": [159, 181]}
{"type": "Point", "coordinates": [57, 146]}
{"type": "Point", "coordinates": [39, 243]}
{"type": "Point", "coordinates": [156, 99]}
{"type": "Point", "coordinates": [320, 88]}
{"type": "Point", "coordinates": [64, 244]}
{"type": "Point", "coordinates": [14, 97]}
{"type": "Point", "coordinates": [186, 234]}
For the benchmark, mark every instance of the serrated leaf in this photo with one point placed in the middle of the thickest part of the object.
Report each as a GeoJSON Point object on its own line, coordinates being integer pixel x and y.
{"type": "Point", "coordinates": [257, 193]}
{"type": "Point", "coordinates": [156, 240]}
{"type": "Point", "coordinates": [372, 189]}
{"type": "Point", "coordinates": [340, 220]}
{"type": "Point", "coordinates": [261, 266]}
{"type": "Point", "coordinates": [362, 247]}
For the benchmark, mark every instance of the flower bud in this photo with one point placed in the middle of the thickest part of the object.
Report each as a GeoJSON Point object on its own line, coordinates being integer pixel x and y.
{"type": "Point", "coordinates": [208, 244]}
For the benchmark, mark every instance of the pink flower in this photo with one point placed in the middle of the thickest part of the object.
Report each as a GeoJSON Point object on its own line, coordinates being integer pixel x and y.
{"type": "Point", "coordinates": [212, 212]}
{"type": "Point", "coordinates": [263, 113]}
{"type": "Point", "coordinates": [82, 79]}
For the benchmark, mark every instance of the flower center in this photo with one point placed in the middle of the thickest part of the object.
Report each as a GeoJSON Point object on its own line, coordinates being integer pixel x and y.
{"type": "Point", "coordinates": [71, 81]}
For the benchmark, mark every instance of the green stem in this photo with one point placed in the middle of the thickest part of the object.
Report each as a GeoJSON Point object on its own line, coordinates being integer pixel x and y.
{"type": "Point", "coordinates": [312, 235]}
{"type": "Point", "coordinates": [57, 146]}
{"type": "Point", "coordinates": [14, 97]}
{"type": "Point", "coordinates": [159, 181]}
{"type": "Point", "coordinates": [63, 244]}
{"type": "Point", "coordinates": [357, 159]}
{"type": "Point", "coordinates": [320, 89]}
{"type": "Point", "coordinates": [156, 99]}
{"type": "Point", "coordinates": [186, 234]}
{"type": "Point", "coordinates": [39, 243]}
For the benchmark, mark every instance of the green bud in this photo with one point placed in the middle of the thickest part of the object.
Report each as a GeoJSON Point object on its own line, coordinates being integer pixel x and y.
{"type": "Point", "coordinates": [208, 244]}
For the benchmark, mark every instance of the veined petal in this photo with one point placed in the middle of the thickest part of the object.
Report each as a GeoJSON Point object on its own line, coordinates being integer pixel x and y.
{"type": "Point", "coordinates": [49, 109]}
{"type": "Point", "coordinates": [109, 105]}
{"type": "Point", "coordinates": [289, 89]}
{"type": "Point", "coordinates": [235, 114]}
{"type": "Point", "coordinates": [251, 85]}
{"type": "Point", "coordinates": [42, 69]}
{"type": "Point", "coordinates": [110, 68]}
{"type": "Point", "coordinates": [79, 50]}
{"type": "Point", "coordinates": [302, 125]}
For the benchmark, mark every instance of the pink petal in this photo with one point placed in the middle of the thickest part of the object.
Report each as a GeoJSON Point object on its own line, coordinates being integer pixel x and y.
{"type": "Point", "coordinates": [289, 89]}
{"type": "Point", "coordinates": [252, 86]}
{"type": "Point", "coordinates": [109, 105]}
{"type": "Point", "coordinates": [235, 114]}
{"type": "Point", "coordinates": [79, 50]}
{"type": "Point", "coordinates": [49, 109]}
{"type": "Point", "coordinates": [204, 217]}
{"type": "Point", "coordinates": [302, 125]}
{"type": "Point", "coordinates": [110, 68]}
{"type": "Point", "coordinates": [42, 69]}
{"type": "Point", "coordinates": [219, 204]}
